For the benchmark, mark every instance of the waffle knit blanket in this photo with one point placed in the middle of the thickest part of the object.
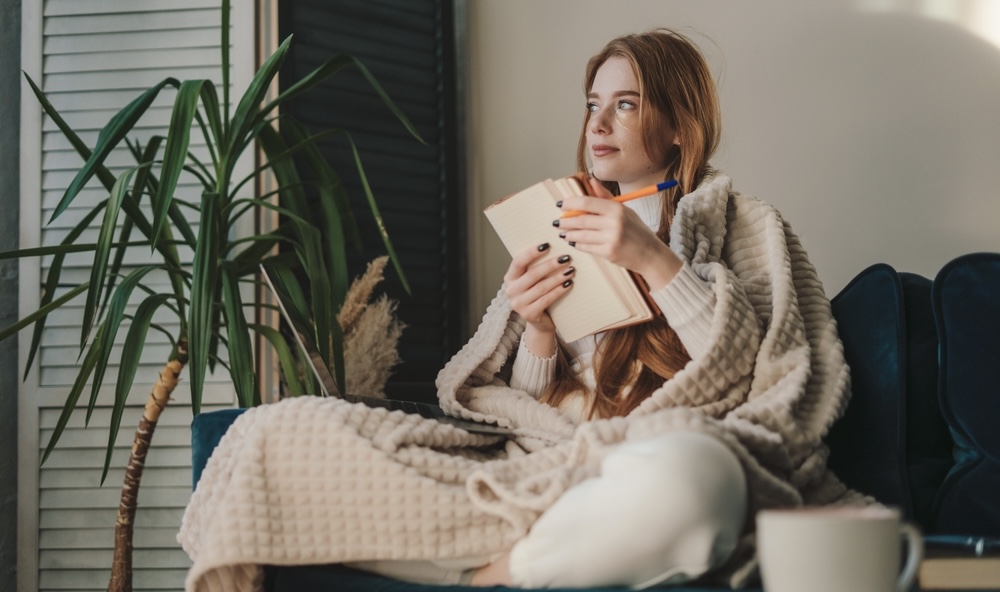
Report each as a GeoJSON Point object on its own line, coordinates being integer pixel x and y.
{"type": "Point", "coordinates": [311, 480]}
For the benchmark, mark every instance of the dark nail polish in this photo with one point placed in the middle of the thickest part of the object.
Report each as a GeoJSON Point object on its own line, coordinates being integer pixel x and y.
{"type": "Point", "coordinates": [563, 259]}
{"type": "Point", "coordinates": [562, 235]}
{"type": "Point", "coordinates": [569, 270]}
{"type": "Point", "coordinates": [559, 204]}
{"type": "Point", "coordinates": [567, 283]}
{"type": "Point", "coordinates": [555, 223]}
{"type": "Point", "coordinates": [543, 247]}
{"type": "Point", "coordinates": [572, 243]}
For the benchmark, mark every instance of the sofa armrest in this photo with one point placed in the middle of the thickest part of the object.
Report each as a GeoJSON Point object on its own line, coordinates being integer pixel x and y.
{"type": "Point", "coordinates": [206, 431]}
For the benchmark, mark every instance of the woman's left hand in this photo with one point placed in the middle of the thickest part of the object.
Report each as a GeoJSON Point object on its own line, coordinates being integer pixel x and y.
{"type": "Point", "coordinates": [616, 233]}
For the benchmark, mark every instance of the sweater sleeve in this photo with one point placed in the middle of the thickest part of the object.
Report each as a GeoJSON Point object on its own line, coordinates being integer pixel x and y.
{"type": "Point", "coordinates": [688, 303]}
{"type": "Point", "coordinates": [530, 373]}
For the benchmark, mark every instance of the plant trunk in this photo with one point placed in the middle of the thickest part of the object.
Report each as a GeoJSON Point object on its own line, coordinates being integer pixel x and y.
{"type": "Point", "coordinates": [121, 564]}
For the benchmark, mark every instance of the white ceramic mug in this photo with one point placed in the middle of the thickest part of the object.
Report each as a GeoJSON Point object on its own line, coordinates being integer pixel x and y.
{"type": "Point", "coordinates": [836, 549]}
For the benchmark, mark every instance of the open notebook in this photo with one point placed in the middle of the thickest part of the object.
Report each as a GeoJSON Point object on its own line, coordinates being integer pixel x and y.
{"type": "Point", "coordinates": [329, 386]}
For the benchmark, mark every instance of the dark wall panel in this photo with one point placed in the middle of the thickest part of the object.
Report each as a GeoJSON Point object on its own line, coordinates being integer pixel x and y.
{"type": "Point", "coordinates": [409, 47]}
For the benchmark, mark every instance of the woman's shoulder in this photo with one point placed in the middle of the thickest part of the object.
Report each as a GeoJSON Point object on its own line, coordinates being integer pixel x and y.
{"type": "Point", "coordinates": [716, 198]}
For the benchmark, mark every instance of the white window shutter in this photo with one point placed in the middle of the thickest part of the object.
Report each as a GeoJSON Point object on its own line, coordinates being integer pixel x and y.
{"type": "Point", "coordinates": [91, 57]}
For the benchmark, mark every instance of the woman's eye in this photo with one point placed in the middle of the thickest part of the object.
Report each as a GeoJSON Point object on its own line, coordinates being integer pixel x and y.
{"type": "Point", "coordinates": [626, 105]}
{"type": "Point", "coordinates": [593, 108]}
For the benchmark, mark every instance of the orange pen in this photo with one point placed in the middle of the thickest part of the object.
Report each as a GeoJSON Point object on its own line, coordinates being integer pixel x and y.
{"type": "Point", "coordinates": [644, 192]}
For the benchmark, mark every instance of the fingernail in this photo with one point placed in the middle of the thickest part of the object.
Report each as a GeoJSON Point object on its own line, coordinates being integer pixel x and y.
{"type": "Point", "coordinates": [569, 270]}
{"type": "Point", "coordinates": [572, 243]}
{"type": "Point", "coordinates": [559, 204]}
{"type": "Point", "coordinates": [555, 223]}
{"type": "Point", "coordinates": [567, 283]}
{"type": "Point", "coordinates": [563, 259]}
{"type": "Point", "coordinates": [543, 246]}
{"type": "Point", "coordinates": [562, 235]}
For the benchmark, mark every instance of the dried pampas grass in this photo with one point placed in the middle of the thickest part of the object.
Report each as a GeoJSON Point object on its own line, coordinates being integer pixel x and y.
{"type": "Point", "coordinates": [371, 334]}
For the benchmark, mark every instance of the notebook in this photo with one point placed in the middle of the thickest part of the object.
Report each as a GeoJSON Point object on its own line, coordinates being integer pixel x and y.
{"type": "Point", "coordinates": [328, 385]}
{"type": "Point", "coordinates": [605, 296]}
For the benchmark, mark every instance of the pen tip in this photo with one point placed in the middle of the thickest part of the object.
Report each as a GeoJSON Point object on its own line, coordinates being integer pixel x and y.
{"type": "Point", "coordinates": [666, 184]}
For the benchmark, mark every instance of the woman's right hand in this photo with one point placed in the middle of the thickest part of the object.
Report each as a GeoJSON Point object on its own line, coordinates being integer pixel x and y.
{"type": "Point", "coordinates": [531, 289]}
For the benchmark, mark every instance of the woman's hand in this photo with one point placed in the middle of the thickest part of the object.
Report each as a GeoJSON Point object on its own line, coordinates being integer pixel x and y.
{"type": "Point", "coordinates": [531, 289]}
{"type": "Point", "coordinates": [616, 233]}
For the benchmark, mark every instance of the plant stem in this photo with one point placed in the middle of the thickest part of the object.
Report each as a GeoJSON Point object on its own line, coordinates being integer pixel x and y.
{"type": "Point", "coordinates": [159, 397]}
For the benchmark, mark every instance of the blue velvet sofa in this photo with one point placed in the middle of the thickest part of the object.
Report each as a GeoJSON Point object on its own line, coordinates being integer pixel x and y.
{"type": "Point", "coordinates": [920, 432]}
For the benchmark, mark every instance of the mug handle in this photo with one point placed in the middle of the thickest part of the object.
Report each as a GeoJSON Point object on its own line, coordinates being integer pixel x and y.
{"type": "Point", "coordinates": [914, 553]}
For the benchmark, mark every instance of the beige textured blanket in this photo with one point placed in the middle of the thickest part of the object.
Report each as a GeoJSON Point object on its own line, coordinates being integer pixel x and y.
{"type": "Point", "coordinates": [312, 480]}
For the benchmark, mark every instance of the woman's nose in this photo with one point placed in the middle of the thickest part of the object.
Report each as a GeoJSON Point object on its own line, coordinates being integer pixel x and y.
{"type": "Point", "coordinates": [600, 121]}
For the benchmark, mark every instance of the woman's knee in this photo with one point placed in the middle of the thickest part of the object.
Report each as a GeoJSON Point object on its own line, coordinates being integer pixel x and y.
{"type": "Point", "coordinates": [692, 488]}
{"type": "Point", "coordinates": [669, 507]}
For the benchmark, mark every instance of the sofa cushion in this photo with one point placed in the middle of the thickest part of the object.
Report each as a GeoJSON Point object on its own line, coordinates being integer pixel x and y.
{"type": "Point", "coordinates": [967, 310]}
{"type": "Point", "coordinates": [891, 442]}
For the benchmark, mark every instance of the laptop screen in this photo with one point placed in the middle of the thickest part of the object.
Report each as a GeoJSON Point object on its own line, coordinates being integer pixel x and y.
{"type": "Point", "coordinates": [300, 329]}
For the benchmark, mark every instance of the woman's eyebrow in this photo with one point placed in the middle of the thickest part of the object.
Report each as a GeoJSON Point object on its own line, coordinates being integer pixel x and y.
{"type": "Point", "coordinates": [616, 94]}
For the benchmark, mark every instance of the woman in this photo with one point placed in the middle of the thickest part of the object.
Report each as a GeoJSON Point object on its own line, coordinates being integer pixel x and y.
{"type": "Point", "coordinates": [652, 115]}
{"type": "Point", "coordinates": [640, 455]}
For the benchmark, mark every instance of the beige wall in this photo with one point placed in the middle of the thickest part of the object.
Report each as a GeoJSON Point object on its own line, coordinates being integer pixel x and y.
{"type": "Point", "coordinates": [873, 125]}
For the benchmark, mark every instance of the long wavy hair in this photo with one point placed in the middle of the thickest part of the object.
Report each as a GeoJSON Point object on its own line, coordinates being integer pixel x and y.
{"type": "Point", "coordinates": [676, 92]}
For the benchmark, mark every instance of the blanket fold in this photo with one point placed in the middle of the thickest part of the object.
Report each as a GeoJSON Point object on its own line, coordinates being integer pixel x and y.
{"type": "Point", "coordinates": [312, 480]}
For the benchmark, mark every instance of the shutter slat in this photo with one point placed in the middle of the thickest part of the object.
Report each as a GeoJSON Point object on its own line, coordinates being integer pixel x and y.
{"type": "Point", "coordinates": [111, 23]}
{"type": "Point", "coordinates": [95, 7]}
{"type": "Point", "coordinates": [91, 519]}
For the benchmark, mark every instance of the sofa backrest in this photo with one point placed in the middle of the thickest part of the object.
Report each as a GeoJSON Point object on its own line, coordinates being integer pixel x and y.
{"type": "Point", "coordinates": [892, 442]}
{"type": "Point", "coordinates": [967, 313]}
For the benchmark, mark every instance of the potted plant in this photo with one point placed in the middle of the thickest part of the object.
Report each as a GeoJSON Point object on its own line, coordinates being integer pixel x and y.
{"type": "Point", "coordinates": [143, 212]}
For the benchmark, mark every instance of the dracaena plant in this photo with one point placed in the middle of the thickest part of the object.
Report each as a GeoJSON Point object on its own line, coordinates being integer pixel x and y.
{"type": "Point", "coordinates": [143, 211]}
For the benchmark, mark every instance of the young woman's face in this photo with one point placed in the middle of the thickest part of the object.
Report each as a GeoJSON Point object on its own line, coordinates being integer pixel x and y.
{"type": "Point", "coordinates": [614, 131]}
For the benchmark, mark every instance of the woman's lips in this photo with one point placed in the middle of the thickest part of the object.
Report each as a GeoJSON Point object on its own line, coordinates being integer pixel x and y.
{"type": "Point", "coordinates": [599, 150]}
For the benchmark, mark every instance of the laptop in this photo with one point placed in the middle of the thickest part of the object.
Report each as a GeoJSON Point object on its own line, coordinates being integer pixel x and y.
{"type": "Point", "coordinates": [329, 386]}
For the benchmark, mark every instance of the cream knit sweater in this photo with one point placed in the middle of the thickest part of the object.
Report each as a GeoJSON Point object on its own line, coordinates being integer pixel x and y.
{"type": "Point", "coordinates": [312, 480]}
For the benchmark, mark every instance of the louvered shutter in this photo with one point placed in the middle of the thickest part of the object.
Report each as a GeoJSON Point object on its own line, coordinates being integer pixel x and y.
{"type": "Point", "coordinates": [408, 46]}
{"type": "Point", "coordinates": [92, 57]}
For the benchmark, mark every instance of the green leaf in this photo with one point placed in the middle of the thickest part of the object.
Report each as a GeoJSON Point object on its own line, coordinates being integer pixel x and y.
{"type": "Point", "coordinates": [110, 136]}
{"type": "Point", "coordinates": [60, 249]}
{"type": "Point", "coordinates": [289, 368]}
{"type": "Point", "coordinates": [299, 302]}
{"type": "Point", "coordinates": [109, 329]}
{"type": "Point", "coordinates": [210, 101]}
{"type": "Point", "coordinates": [176, 150]}
{"type": "Point", "coordinates": [43, 311]}
{"type": "Point", "coordinates": [378, 217]}
{"type": "Point", "coordinates": [240, 352]}
{"type": "Point", "coordinates": [106, 177]}
{"type": "Point", "coordinates": [330, 67]}
{"type": "Point", "coordinates": [142, 157]}
{"type": "Point", "coordinates": [101, 254]}
{"type": "Point", "coordinates": [203, 289]}
{"type": "Point", "coordinates": [337, 222]}
{"type": "Point", "coordinates": [224, 46]}
{"type": "Point", "coordinates": [89, 362]}
{"type": "Point", "coordinates": [246, 111]}
{"type": "Point", "coordinates": [52, 281]}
